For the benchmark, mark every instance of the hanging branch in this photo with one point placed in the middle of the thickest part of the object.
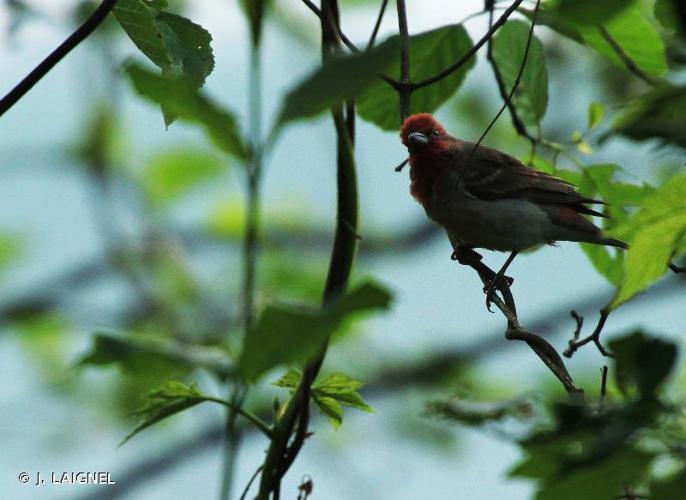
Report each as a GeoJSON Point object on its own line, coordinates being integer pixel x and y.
{"type": "Point", "coordinates": [295, 418]}
{"type": "Point", "coordinates": [56, 56]}
{"type": "Point", "coordinates": [377, 25]}
{"type": "Point", "coordinates": [516, 120]}
{"type": "Point", "coordinates": [404, 91]}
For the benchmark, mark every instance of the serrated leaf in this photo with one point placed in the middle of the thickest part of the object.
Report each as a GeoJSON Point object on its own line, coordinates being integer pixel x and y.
{"type": "Point", "coordinates": [285, 334]}
{"type": "Point", "coordinates": [183, 100]}
{"type": "Point", "coordinates": [330, 408]}
{"type": "Point", "coordinates": [430, 53]}
{"type": "Point", "coordinates": [289, 380]}
{"type": "Point", "coordinates": [509, 46]}
{"type": "Point", "coordinates": [170, 399]}
{"type": "Point", "coordinates": [596, 112]}
{"type": "Point", "coordinates": [138, 20]}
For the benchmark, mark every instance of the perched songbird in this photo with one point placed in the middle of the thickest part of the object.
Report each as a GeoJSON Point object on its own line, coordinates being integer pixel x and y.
{"type": "Point", "coordinates": [484, 198]}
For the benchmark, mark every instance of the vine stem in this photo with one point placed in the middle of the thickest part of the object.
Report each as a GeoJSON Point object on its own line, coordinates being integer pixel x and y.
{"type": "Point", "coordinates": [81, 33]}
{"type": "Point", "coordinates": [250, 252]}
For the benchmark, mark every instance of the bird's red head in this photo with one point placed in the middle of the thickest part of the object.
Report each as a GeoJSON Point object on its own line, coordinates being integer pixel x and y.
{"type": "Point", "coordinates": [420, 130]}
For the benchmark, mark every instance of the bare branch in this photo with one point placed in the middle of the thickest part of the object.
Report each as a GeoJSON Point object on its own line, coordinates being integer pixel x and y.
{"type": "Point", "coordinates": [404, 92]}
{"type": "Point", "coordinates": [594, 337]}
{"type": "Point", "coordinates": [377, 25]}
{"type": "Point", "coordinates": [81, 33]}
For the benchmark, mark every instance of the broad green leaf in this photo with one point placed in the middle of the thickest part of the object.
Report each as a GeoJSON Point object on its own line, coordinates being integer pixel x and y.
{"type": "Point", "coordinates": [285, 335]}
{"type": "Point", "coordinates": [643, 362]}
{"type": "Point", "coordinates": [670, 488]}
{"type": "Point", "coordinates": [649, 254]}
{"type": "Point", "coordinates": [183, 100]}
{"type": "Point", "coordinates": [590, 12]}
{"type": "Point", "coordinates": [430, 53]}
{"type": "Point", "coordinates": [173, 173]}
{"type": "Point", "coordinates": [509, 46]}
{"type": "Point", "coordinates": [659, 113]}
{"type": "Point", "coordinates": [632, 28]}
{"type": "Point", "coordinates": [168, 400]}
{"type": "Point", "coordinates": [635, 32]}
{"type": "Point", "coordinates": [338, 79]}
{"type": "Point", "coordinates": [344, 389]}
{"type": "Point", "coordinates": [596, 112]}
{"type": "Point", "coordinates": [653, 233]}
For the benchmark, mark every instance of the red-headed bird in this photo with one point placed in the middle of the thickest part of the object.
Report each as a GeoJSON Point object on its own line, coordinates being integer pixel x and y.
{"type": "Point", "coordinates": [484, 198]}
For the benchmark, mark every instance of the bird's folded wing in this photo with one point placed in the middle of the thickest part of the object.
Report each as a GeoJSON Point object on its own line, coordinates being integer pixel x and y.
{"type": "Point", "coordinates": [492, 175]}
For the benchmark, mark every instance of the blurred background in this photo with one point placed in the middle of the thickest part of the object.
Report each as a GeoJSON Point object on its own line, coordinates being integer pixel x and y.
{"type": "Point", "coordinates": [110, 223]}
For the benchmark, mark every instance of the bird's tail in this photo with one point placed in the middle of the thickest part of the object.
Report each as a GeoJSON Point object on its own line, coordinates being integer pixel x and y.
{"type": "Point", "coordinates": [614, 242]}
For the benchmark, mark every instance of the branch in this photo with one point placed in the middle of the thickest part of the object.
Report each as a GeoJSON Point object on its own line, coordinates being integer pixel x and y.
{"type": "Point", "coordinates": [404, 92]}
{"type": "Point", "coordinates": [460, 62]}
{"type": "Point", "coordinates": [280, 455]}
{"type": "Point", "coordinates": [539, 345]}
{"type": "Point", "coordinates": [395, 376]}
{"type": "Point", "coordinates": [56, 56]}
{"type": "Point", "coordinates": [346, 41]}
{"type": "Point", "coordinates": [516, 120]}
{"type": "Point", "coordinates": [575, 343]}
{"type": "Point", "coordinates": [624, 57]}
{"type": "Point", "coordinates": [377, 25]}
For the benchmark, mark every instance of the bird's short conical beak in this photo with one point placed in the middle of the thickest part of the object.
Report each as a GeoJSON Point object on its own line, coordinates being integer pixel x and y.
{"type": "Point", "coordinates": [417, 139]}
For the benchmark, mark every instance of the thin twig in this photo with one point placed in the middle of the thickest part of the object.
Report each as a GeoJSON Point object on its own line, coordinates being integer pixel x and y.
{"type": "Point", "coordinates": [252, 480]}
{"type": "Point", "coordinates": [603, 386]}
{"type": "Point", "coordinates": [516, 120]}
{"type": "Point", "coordinates": [594, 337]}
{"type": "Point", "coordinates": [460, 62]}
{"type": "Point", "coordinates": [676, 269]}
{"type": "Point", "coordinates": [81, 33]}
{"type": "Point", "coordinates": [404, 92]}
{"type": "Point", "coordinates": [377, 25]}
{"type": "Point", "coordinates": [346, 41]}
{"type": "Point", "coordinates": [254, 419]}
{"type": "Point", "coordinates": [624, 57]}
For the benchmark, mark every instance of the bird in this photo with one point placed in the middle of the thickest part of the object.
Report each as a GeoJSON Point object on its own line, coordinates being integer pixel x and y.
{"type": "Point", "coordinates": [485, 198]}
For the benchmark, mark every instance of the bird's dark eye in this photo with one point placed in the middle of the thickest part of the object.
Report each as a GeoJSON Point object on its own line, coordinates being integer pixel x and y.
{"type": "Point", "coordinates": [435, 133]}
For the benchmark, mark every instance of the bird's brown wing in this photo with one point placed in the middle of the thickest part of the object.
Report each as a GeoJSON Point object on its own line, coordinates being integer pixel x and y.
{"type": "Point", "coordinates": [501, 176]}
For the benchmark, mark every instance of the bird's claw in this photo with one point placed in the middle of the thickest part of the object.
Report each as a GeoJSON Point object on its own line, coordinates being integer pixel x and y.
{"type": "Point", "coordinates": [494, 285]}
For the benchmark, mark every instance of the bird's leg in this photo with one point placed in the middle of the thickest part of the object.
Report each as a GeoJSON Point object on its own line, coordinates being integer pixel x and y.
{"type": "Point", "coordinates": [498, 279]}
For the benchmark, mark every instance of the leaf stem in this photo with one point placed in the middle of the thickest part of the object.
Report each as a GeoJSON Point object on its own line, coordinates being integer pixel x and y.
{"type": "Point", "coordinates": [254, 419]}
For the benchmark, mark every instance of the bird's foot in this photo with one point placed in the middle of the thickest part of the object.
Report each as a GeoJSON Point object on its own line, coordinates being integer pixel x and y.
{"type": "Point", "coordinates": [497, 282]}
{"type": "Point", "coordinates": [463, 254]}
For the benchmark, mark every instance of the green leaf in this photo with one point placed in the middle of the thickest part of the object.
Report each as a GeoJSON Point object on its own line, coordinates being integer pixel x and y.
{"type": "Point", "coordinates": [173, 173]}
{"type": "Point", "coordinates": [596, 112]}
{"type": "Point", "coordinates": [168, 400]}
{"type": "Point", "coordinates": [654, 233]}
{"type": "Point", "coordinates": [632, 28]}
{"type": "Point", "coordinates": [175, 44]}
{"type": "Point", "coordinates": [670, 488]}
{"type": "Point", "coordinates": [430, 53]}
{"type": "Point", "coordinates": [286, 334]}
{"type": "Point", "coordinates": [338, 79]}
{"type": "Point", "coordinates": [331, 408]}
{"type": "Point", "coordinates": [509, 45]}
{"type": "Point", "coordinates": [289, 380]}
{"type": "Point", "coordinates": [634, 31]}
{"type": "Point", "coordinates": [11, 248]}
{"type": "Point", "coordinates": [344, 389]}
{"type": "Point", "coordinates": [180, 98]}
{"type": "Point", "coordinates": [644, 362]}
{"type": "Point", "coordinates": [591, 12]}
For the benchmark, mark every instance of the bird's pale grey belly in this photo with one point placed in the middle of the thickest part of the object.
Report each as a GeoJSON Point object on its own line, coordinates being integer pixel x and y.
{"type": "Point", "coordinates": [503, 225]}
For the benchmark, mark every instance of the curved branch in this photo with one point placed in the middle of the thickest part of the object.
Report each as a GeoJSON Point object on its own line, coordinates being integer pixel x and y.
{"type": "Point", "coordinates": [594, 337]}
{"type": "Point", "coordinates": [624, 57]}
{"type": "Point", "coordinates": [377, 25]}
{"type": "Point", "coordinates": [56, 56]}
{"type": "Point", "coordinates": [461, 61]}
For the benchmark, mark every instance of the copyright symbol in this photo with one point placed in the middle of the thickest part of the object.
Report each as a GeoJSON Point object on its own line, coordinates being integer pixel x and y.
{"type": "Point", "coordinates": [24, 477]}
